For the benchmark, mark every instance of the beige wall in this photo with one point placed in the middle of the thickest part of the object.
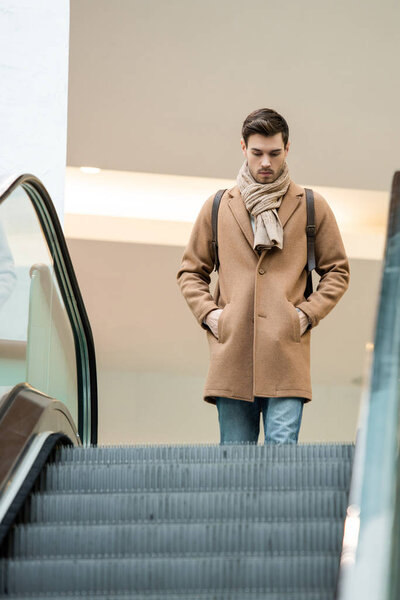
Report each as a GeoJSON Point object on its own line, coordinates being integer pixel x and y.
{"type": "Point", "coordinates": [166, 408]}
{"type": "Point", "coordinates": [163, 86]}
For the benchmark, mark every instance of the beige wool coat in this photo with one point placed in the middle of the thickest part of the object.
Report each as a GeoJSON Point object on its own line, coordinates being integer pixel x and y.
{"type": "Point", "coordinates": [260, 351]}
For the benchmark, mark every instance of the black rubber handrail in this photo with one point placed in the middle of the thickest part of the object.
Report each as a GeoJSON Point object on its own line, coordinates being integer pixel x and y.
{"type": "Point", "coordinates": [31, 424]}
{"type": "Point", "coordinates": [72, 297]}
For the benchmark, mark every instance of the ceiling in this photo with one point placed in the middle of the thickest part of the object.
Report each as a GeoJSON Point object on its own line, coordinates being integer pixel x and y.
{"type": "Point", "coordinates": [164, 87]}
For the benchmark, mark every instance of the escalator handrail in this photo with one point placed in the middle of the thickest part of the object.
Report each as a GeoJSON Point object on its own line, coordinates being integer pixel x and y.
{"type": "Point", "coordinates": [370, 550]}
{"type": "Point", "coordinates": [65, 274]}
{"type": "Point", "coordinates": [30, 424]}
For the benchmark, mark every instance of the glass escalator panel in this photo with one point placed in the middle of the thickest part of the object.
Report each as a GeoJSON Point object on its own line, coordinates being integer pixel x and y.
{"type": "Point", "coordinates": [36, 340]}
{"type": "Point", "coordinates": [45, 338]}
{"type": "Point", "coordinates": [370, 555]}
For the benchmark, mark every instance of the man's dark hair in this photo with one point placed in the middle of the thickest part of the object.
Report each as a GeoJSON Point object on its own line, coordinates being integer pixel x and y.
{"type": "Point", "coordinates": [265, 121]}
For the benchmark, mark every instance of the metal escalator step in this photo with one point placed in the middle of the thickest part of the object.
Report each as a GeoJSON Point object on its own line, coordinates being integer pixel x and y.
{"type": "Point", "coordinates": [197, 476]}
{"type": "Point", "coordinates": [322, 594]}
{"type": "Point", "coordinates": [202, 453]}
{"type": "Point", "coordinates": [186, 522]}
{"type": "Point", "coordinates": [313, 594]}
{"type": "Point", "coordinates": [214, 573]}
{"type": "Point", "coordinates": [183, 506]}
{"type": "Point", "coordinates": [189, 539]}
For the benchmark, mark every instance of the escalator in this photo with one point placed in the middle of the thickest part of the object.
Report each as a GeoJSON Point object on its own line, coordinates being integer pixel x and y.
{"type": "Point", "coordinates": [205, 522]}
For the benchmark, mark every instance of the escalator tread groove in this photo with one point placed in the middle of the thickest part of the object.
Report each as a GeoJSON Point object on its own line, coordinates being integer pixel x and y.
{"type": "Point", "coordinates": [204, 522]}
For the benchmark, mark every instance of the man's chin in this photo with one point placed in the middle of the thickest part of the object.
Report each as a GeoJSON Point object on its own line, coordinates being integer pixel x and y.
{"type": "Point", "coordinates": [265, 178]}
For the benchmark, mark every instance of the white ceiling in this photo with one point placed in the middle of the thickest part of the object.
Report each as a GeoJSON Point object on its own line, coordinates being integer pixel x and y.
{"type": "Point", "coordinates": [164, 86]}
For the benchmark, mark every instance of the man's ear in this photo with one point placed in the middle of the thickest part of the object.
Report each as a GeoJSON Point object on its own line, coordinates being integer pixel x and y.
{"type": "Point", "coordinates": [287, 147]}
{"type": "Point", "coordinates": [243, 145]}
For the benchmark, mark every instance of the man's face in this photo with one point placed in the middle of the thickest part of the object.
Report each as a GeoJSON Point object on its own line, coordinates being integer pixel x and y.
{"type": "Point", "coordinates": [265, 155]}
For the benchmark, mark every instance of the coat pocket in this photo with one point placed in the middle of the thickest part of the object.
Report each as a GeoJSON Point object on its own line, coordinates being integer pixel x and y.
{"type": "Point", "coordinates": [295, 323]}
{"type": "Point", "coordinates": [221, 324]}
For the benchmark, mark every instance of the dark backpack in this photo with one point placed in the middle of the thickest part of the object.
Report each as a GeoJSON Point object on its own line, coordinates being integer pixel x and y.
{"type": "Point", "coordinates": [310, 232]}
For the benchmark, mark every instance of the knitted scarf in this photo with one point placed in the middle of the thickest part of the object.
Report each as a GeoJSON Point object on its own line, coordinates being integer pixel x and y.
{"type": "Point", "coordinates": [262, 201]}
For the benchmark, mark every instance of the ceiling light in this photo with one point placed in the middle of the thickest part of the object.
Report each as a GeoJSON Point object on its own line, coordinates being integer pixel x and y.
{"type": "Point", "coordinates": [90, 170]}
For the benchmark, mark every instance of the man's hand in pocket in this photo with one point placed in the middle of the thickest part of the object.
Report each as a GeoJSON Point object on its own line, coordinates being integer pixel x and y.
{"type": "Point", "coordinates": [304, 322]}
{"type": "Point", "coordinates": [212, 321]}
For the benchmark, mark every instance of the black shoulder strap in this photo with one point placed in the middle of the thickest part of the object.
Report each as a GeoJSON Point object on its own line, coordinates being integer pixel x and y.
{"type": "Point", "coordinates": [214, 222]}
{"type": "Point", "coordinates": [310, 231]}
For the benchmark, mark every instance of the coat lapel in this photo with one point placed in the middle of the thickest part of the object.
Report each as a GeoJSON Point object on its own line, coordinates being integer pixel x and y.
{"type": "Point", "coordinates": [241, 214]}
{"type": "Point", "coordinates": [290, 202]}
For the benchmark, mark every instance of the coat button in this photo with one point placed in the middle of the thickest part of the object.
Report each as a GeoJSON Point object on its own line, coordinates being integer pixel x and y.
{"type": "Point", "coordinates": [261, 271]}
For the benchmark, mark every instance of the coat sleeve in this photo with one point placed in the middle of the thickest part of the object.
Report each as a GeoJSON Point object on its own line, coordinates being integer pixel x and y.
{"type": "Point", "coordinates": [331, 264]}
{"type": "Point", "coordinates": [197, 264]}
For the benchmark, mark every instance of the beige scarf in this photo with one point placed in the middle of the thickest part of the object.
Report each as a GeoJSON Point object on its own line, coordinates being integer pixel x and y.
{"type": "Point", "coordinates": [262, 201]}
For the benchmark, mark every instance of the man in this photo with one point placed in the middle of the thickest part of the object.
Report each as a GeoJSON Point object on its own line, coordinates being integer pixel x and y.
{"type": "Point", "coordinates": [258, 321]}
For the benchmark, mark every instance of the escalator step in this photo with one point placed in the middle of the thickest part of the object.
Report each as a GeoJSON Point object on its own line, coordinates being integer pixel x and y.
{"type": "Point", "coordinates": [183, 506]}
{"type": "Point", "coordinates": [243, 594]}
{"type": "Point", "coordinates": [245, 452]}
{"type": "Point", "coordinates": [189, 539]}
{"type": "Point", "coordinates": [213, 573]}
{"type": "Point", "coordinates": [196, 477]}
{"type": "Point", "coordinates": [188, 522]}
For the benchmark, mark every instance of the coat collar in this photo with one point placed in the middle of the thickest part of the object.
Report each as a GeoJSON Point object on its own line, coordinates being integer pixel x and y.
{"type": "Point", "coordinates": [290, 202]}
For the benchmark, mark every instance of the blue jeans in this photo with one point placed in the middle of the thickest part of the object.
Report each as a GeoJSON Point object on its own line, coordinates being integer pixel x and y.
{"type": "Point", "coordinates": [239, 421]}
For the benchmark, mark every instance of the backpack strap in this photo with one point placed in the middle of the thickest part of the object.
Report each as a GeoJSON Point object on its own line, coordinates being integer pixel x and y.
{"type": "Point", "coordinates": [310, 231]}
{"type": "Point", "coordinates": [214, 223]}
